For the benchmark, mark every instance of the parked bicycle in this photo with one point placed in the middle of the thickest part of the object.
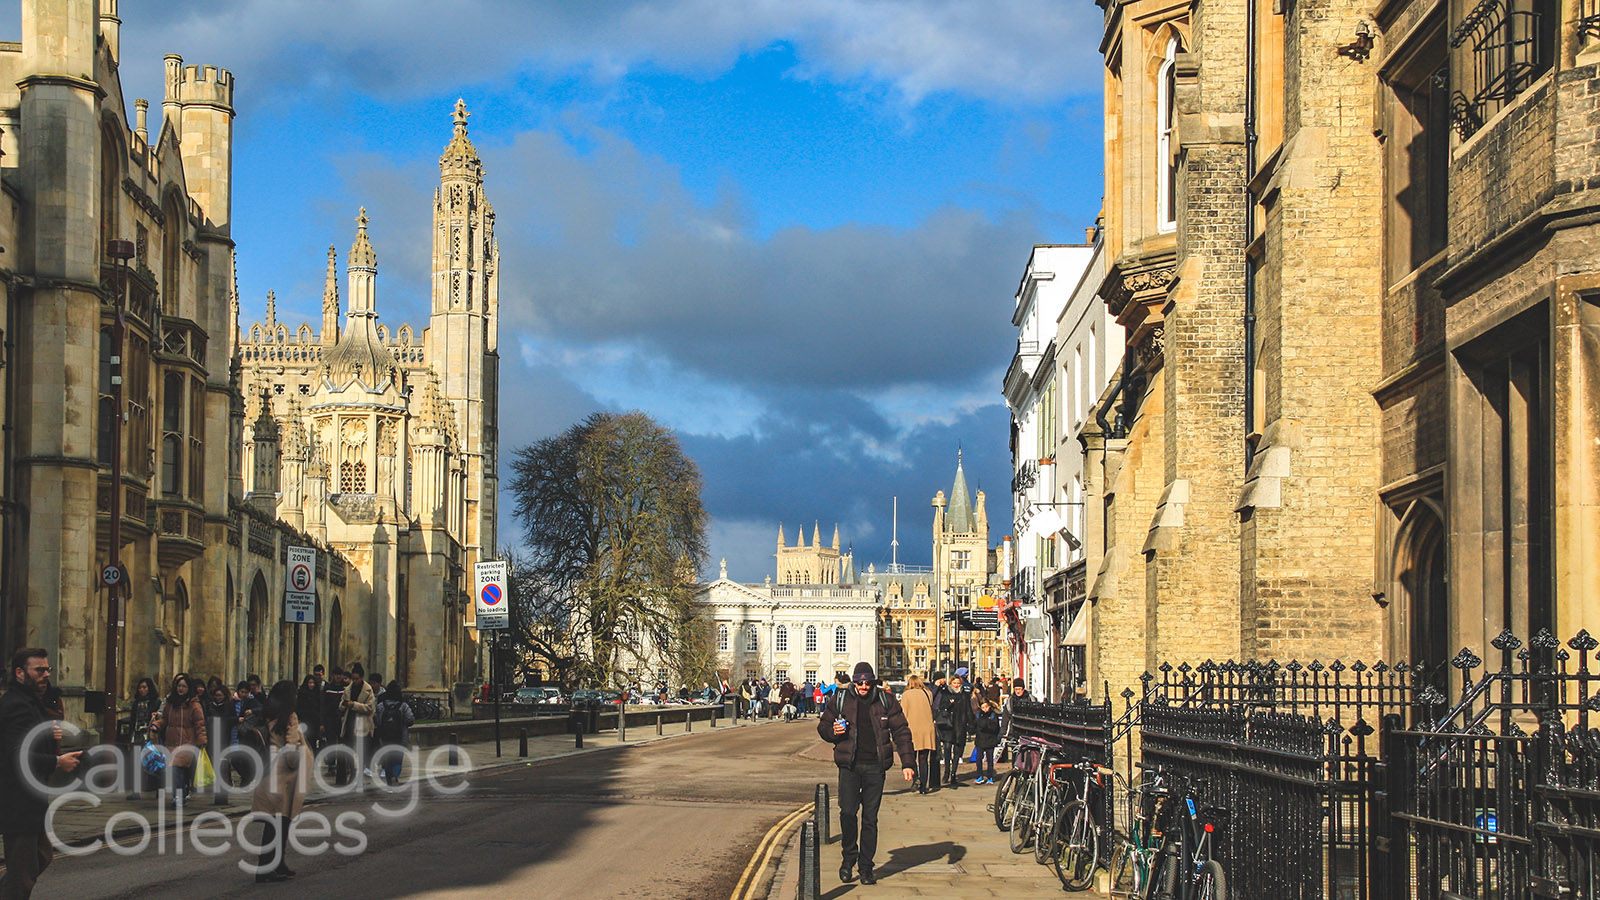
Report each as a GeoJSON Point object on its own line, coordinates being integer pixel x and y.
{"type": "Point", "coordinates": [1183, 868]}
{"type": "Point", "coordinates": [1134, 862]}
{"type": "Point", "coordinates": [1072, 843]}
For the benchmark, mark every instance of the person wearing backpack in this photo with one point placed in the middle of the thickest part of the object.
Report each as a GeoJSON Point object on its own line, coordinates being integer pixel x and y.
{"type": "Point", "coordinates": [393, 722]}
{"type": "Point", "coordinates": [986, 737]}
{"type": "Point", "coordinates": [281, 792]}
{"type": "Point", "coordinates": [868, 730]}
{"type": "Point", "coordinates": [952, 724]}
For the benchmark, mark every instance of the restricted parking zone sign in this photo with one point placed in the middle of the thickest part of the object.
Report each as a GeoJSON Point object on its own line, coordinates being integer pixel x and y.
{"type": "Point", "coordinates": [492, 606]}
{"type": "Point", "coordinates": [300, 587]}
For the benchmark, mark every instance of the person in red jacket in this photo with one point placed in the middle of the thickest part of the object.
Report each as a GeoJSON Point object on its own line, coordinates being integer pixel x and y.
{"type": "Point", "coordinates": [868, 729]}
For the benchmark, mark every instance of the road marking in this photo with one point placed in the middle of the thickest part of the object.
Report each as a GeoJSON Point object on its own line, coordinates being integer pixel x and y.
{"type": "Point", "coordinates": [745, 889]}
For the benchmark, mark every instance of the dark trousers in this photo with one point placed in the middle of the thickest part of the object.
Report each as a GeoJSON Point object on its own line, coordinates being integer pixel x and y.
{"type": "Point", "coordinates": [860, 792]}
{"type": "Point", "coordinates": [273, 832]}
{"type": "Point", "coordinates": [927, 771]}
{"type": "Point", "coordinates": [986, 758]}
{"type": "Point", "coordinates": [27, 855]}
{"type": "Point", "coordinates": [950, 759]}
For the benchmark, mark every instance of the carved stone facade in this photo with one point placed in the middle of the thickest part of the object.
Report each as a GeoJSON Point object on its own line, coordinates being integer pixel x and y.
{"type": "Point", "coordinates": [392, 459]}
{"type": "Point", "coordinates": [223, 467]}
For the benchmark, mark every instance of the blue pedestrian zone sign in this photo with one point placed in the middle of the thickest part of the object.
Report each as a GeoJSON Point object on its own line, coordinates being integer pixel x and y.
{"type": "Point", "coordinates": [493, 613]}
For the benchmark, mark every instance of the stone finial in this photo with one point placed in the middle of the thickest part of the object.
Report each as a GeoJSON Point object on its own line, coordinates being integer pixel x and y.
{"type": "Point", "coordinates": [460, 116]}
{"type": "Point", "coordinates": [723, 573]}
{"type": "Point", "coordinates": [272, 310]}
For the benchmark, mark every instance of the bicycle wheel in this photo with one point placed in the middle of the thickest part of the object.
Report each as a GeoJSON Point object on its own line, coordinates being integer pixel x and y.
{"type": "Point", "coordinates": [1164, 876]}
{"type": "Point", "coordinates": [1211, 885]}
{"type": "Point", "coordinates": [1123, 867]}
{"type": "Point", "coordinates": [1004, 797]}
{"type": "Point", "coordinates": [1079, 844]}
{"type": "Point", "coordinates": [1021, 825]}
{"type": "Point", "coordinates": [1045, 833]}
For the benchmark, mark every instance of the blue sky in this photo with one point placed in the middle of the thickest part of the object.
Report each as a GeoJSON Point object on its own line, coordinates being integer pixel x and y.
{"type": "Point", "coordinates": [789, 230]}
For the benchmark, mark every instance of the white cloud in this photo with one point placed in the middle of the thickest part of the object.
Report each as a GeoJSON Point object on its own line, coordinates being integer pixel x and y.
{"type": "Point", "coordinates": [1002, 49]}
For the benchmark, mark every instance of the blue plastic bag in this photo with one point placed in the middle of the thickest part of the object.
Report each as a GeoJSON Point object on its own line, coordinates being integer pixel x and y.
{"type": "Point", "coordinates": [153, 758]}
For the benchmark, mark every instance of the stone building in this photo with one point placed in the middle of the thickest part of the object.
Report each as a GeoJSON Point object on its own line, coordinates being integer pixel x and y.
{"type": "Point", "coordinates": [963, 572]}
{"type": "Point", "coordinates": [812, 563]}
{"type": "Point", "coordinates": [381, 444]}
{"type": "Point", "coordinates": [907, 619]}
{"type": "Point", "coordinates": [797, 632]}
{"type": "Point", "coordinates": [205, 563]}
{"type": "Point", "coordinates": [1353, 249]}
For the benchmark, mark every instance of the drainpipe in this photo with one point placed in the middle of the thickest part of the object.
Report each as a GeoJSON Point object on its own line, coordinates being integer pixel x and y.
{"type": "Point", "coordinates": [1249, 227]}
{"type": "Point", "coordinates": [1100, 413]}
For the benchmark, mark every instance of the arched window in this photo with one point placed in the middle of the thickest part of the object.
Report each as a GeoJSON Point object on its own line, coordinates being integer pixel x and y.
{"type": "Point", "coordinates": [1166, 119]}
{"type": "Point", "coordinates": [722, 636]}
{"type": "Point", "coordinates": [172, 255]}
{"type": "Point", "coordinates": [811, 638]}
{"type": "Point", "coordinates": [841, 641]}
{"type": "Point", "coordinates": [751, 642]}
{"type": "Point", "coordinates": [781, 642]}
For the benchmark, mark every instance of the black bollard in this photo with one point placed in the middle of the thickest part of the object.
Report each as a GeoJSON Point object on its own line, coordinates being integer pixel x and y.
{"type": "Point", "coordinates": [821, 813]}
{"type": "Point", "coordinates": [522, 740]}
{"type": "Point", "coordinates": [577, 739]}
{"type": "Point", "coordinates": [453, 745]}
{"type": "Point", "coordinates": [810, 862]}
{"type": "Point", "coordinates": [715, 714]}
{"type": "Point", "coordinates": [688, 721]}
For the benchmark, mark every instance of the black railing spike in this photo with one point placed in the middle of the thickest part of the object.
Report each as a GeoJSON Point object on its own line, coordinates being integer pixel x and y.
{"type": "Point", "coordinates": [1332, 726]}
{"type": "Point", "coordinates": [1430, 696]}
{"type": "Point", "coordinates": [1583, 642]}
{"type": "Point", "coordinates": [1506, 641]}
{"type": "Point", "coordinates": [1128, 693]}
{"type": "Point", "coordinates": [1361, 728]}
{"type": "Point", "coordinates": [1293, 666]}
{"type": "Point", "coordinates": [1185, 668]}
{"type": "Point", "coordinates": [1544, 640]}
{"type": "Point", "coordinates": [1336, 666]}
{"type": "Point", "coordinates": [1403, 667]}
{"type": "Point", "coordinates": [1358, 667]}
{"type": "Point", "coordinates": [1165, 668]}
{"type": "Point", "coordinates": [1381, 667]}
{"type": "Point", "coordinates": [1466, 660]}
{"type": "Point", "coordinates": [1525, 654]}
{"type": "Point", "coordinates": [1315, 666]}
{"type": "Point", "coordinates": [1562, 655]}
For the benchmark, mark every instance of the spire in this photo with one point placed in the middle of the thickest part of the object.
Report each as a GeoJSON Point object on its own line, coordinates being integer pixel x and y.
{"type": "Point", "coordinates": [781, 545]}
{"type": "Point", "coordinates": [363, 271]}
{"type": "Point", "coordinates": [959, 518]}
{"type": "Point", "coordinates": [850, 574]}
{"type": "Point", "coordinates": [816, 535]}
{"type": "Point", "coordinates": [836, 536]}
{"type": "Point", "coordinates": [330, 299]}
{"type": "Point", "coordinates": [272, 311]}
{"type": "Point", "coordinates": [460, 159]}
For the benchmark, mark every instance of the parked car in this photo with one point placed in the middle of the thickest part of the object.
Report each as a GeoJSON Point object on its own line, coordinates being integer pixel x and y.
{"type": "Point", "coordinates": [591, 697]}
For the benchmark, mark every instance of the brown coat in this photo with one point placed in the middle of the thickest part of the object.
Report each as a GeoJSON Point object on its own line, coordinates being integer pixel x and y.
{"type": "Point", "coordinates": [918, 704]}
{"type": "Point", "coordinates": [183, 725]}
{"type": "Point", "coordinates": [282, 788]}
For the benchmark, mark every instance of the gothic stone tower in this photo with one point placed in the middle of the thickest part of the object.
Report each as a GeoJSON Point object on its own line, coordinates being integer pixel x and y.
{"type": "Point", "coordinates": [463, 331]}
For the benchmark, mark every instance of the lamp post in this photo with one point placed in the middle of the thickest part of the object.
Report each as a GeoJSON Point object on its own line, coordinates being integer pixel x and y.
{"type": "Point", "coordinates": [121, 251]}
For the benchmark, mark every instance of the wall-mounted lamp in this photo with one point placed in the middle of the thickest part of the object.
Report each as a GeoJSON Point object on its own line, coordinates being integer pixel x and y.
{"type": "Point", "coordinates": [1360, 48]}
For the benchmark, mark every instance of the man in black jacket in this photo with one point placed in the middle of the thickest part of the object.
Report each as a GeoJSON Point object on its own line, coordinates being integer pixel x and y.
{"type": "Point", "coordinates": [867, 729]}
{"type": "Point", "coordinates": [28, 755]}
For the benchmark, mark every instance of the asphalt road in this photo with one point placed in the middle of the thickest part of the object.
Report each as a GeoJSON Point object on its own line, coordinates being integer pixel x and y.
{"type": "Point", "coordinates": [673, 819]}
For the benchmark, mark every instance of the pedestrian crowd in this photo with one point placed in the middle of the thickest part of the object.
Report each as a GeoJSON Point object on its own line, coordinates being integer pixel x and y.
{"type": "Point", "coordinates": [177, 735]}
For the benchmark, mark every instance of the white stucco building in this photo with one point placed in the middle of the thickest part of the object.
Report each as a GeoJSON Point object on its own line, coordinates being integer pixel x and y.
{"type": "Point", "coordinates": [793, 631]}
{"type": "Point", "coordinates": [1034, 386]}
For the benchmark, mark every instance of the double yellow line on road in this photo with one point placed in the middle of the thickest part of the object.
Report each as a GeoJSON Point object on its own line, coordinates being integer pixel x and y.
{"type": "Point", "coordinates": [757, 867]}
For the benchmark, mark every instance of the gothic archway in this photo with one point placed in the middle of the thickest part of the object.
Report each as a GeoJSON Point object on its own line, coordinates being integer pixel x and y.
{"type": "Point", "coordinates": [258, 626]}
{"type": "Point", "coordinates": [1421, 590]}
{"type": "Point", "coordinates": [336, 633]}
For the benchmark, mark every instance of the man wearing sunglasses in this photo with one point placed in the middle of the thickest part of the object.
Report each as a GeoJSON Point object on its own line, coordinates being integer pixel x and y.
{"type": "Point", "coordinates": [867, 729]}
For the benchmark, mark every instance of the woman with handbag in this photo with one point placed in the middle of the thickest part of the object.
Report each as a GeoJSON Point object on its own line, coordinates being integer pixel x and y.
{"type": "Point", "coordinates": [181, 725]}
{"type": "Point", "coordinates": [281, 792]}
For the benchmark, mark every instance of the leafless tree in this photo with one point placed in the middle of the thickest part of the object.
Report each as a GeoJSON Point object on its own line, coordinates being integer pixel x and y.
{"type": "Point", "coordinates": [615, 536]}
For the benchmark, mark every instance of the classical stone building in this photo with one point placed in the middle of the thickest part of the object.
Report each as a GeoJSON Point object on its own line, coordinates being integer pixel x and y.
{"type": "Point", "coordinates": [205, 562]}
{"type": "Point", "coordinates": [1357, 268]}
{"type": "Point", "coordinates": [797, 632]}
{"type": "Point", "coordinates": [381, 444]}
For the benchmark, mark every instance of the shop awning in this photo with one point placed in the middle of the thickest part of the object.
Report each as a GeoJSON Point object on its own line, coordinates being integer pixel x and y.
{"type": "Point", "coordinates": [1078, 632]}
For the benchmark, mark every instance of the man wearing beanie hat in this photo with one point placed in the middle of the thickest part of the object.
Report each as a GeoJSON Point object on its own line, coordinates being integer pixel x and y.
{"type": "Point", "coordinates": [867, 729]}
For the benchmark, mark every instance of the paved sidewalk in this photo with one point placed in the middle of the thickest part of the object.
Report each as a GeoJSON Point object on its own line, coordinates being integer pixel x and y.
{"type": "Point", "coordinates": [942, 844]}
{"type": "Point", "coordinates": [80, 824]}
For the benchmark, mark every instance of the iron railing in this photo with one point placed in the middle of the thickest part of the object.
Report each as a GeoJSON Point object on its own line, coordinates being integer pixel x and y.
{"type": "Point", "coordinates": [1511, 43]}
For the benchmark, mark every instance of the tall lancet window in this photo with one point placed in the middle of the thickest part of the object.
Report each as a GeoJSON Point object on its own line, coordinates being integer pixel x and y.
{"type": "Point", "coordinates": [352, 458]}
{"type": "Point", "coordinates": [1166, 119]}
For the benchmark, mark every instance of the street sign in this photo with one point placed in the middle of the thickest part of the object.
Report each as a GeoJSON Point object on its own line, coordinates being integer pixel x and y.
{"type": "Point", "coordinates": [492, 605]}
{"type": "Point", "coordinates": [979, 620]}
{"type": "Point", "coordinates": [300, 607]}
{"type": "Point", "coordinates": [113, 575]}
{"type": "Point", "coordinates": [1029, 612]}
{"type": "Point", "coordinates": [300, 586]}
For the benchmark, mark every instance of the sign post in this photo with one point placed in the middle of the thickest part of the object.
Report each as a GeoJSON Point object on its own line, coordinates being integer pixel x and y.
{"type": "Point", "coordinates": [493, 609]}
{"type": "Point", "coordinates": [300, 593]}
